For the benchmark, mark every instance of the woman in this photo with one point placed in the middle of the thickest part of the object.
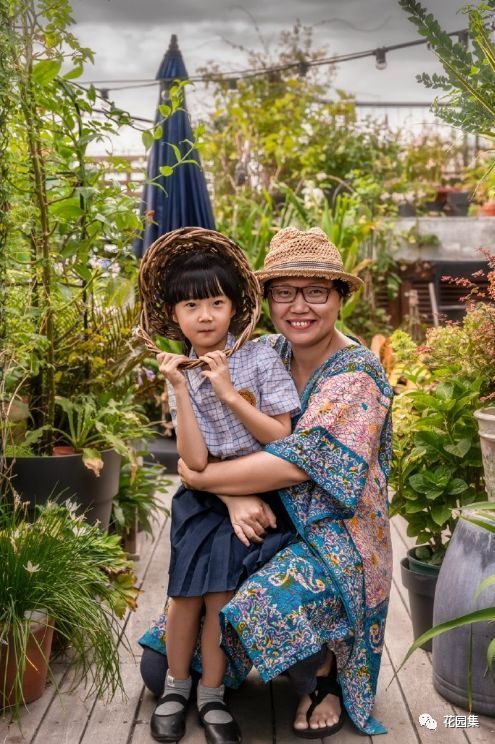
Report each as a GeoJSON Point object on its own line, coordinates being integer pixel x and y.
{"type": "Point", "coordinates": [317, 609]}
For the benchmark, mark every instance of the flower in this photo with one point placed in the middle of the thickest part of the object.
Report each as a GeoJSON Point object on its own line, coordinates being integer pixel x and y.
{"type": "Point", "coordinates": [32, 567]}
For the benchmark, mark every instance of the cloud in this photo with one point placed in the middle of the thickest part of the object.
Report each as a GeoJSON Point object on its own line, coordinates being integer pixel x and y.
{"type": "Point", "coordinates": [122, 12]}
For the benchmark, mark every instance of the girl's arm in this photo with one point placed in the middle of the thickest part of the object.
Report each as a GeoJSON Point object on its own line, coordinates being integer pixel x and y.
{"type": "Point", "coordinates": [190, 443]}
{"type": "Point", "coordinates": [262, 427]}
{"type": "Point", "coordinates": [254, 473]}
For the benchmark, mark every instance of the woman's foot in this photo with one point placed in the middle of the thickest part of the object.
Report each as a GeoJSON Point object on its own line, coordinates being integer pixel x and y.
{"type": "Point", "coordinates": [325, 714]}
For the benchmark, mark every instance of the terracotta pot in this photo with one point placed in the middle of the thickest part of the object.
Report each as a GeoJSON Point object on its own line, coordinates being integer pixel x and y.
{"type": "Point", "coordinates": [36, 668]}
{"type": "Point", "coordinates": [62, 449]}
{"type": "Point", "coordinates": [487, 209]}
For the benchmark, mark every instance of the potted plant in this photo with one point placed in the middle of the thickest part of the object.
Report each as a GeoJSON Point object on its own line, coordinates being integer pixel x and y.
{"type": "Point", "coordinates": [436, 460]}
{"type": "Point", "coordinates": [67, 266]}
{"type": "Point", "coordinates": [98, 432]}
{"type": "Point", "coordinates": [59, 571]}
{"type": "Point", "coordinates": [136, 506]}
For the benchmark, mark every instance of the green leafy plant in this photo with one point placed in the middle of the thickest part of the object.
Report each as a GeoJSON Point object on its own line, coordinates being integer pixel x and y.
{"type": "Point", "coordinates": [93, 424]}
{"type": "Point", "coordinates": [67, 296]}
{"type": "Point", "coordinates": [437, 466]}
{"type": "Point", "coordinates": [77, 577]}
{"type": "Point", "coordinates": [136, 498]}
{"type": "Point", "coordinates": [469, 79]}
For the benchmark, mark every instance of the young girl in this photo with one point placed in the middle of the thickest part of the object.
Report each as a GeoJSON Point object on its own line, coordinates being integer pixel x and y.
{"type": "Point", "coordinates": [230, 407]}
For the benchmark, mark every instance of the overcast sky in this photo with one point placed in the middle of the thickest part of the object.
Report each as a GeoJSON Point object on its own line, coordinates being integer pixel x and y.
{"type": "Point", "coordinates": [130, 37]}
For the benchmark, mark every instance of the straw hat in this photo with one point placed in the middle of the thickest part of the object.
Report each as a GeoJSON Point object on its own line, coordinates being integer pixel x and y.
{"type": "Point", "coordinates": [305, 253]}
{"type": "Point", "coordinates": [156, 319]}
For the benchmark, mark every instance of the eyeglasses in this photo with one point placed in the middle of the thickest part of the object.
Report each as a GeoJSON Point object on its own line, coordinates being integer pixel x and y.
{"type": "Point", "coordinates": [313, 295]}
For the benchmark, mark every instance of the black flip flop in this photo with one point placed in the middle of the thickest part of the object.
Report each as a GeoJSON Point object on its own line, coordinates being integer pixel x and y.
{"type": "Point", "coordinates": [324, 686]}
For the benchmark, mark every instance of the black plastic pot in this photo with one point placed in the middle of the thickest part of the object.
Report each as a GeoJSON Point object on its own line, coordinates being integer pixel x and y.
{"type": "Point", "coordinates": [38, 479]}
{"type": "Point", "coordinates": [470, 558]}
{"type": "Point", "coordinates": [421, 589]}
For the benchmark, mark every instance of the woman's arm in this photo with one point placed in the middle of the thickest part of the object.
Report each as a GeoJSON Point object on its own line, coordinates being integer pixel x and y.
{"type": "Point", "coordinates": [190, 443]}
{"type": "Point", "coordinates": [254, 473]}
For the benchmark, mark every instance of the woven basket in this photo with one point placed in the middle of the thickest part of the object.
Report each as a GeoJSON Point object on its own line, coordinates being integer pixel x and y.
{"type": "Point", "coordinates": [155, 318]}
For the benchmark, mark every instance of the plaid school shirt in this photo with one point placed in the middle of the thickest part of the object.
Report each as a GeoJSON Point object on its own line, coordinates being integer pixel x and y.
{"type": "Point", "coordinates": [257, 372]}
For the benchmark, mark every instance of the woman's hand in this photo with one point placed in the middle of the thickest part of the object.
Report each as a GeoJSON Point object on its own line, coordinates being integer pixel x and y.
{"type": "Point", "coordinates": [218, 374]}
{"type": "Point", "coordinates": [250, 517]}
{"type": "Point", "coordinates": [168, 364]}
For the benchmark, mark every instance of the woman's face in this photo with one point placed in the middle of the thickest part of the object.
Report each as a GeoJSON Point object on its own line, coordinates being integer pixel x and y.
{"type": "Point", "coordinates": [303, 323]}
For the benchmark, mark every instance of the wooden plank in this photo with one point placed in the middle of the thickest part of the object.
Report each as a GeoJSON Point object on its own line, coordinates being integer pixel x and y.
{"type": "Point", "coordinates": [391, 708]}
{"type": "Point", "coordinates": [252, 708]}
{"type": "Point", "coordinates": [415, 677]}
{"type": "Point", "coordinates": [31, 717]}
{"type": "Point", "coordinates": [117, 719]}
{"type": "Point", "coordinates": [401, 542]}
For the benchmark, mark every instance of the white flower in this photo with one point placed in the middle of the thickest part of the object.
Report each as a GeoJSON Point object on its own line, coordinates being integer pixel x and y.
{"type": "Point", "coordinates": [78, 531]}
{"type": "Point", "coordinates": [32, 567]}
{"type": "Point", "coordinates": [321, 176]}
{"type": "Point", "coordinates": [71, 507]}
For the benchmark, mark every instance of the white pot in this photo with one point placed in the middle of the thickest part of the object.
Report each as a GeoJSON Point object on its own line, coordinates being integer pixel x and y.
{"type": "Point", "coordinates": [486, 423]}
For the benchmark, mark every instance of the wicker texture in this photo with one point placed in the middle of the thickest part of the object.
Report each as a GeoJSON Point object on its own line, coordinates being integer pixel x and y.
{"type": "Point", "coordinates": [304, 253]}
{"type": "Point", "coordinates": [155, 318]}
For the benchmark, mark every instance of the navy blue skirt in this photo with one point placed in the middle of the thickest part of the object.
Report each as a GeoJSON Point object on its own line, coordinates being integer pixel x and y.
{"type": "Point", "coordinates": [206, 554]}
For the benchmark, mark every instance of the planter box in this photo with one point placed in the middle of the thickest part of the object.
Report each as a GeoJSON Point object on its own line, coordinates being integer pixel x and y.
{"type": "Point", "coordinates": [39, 479]}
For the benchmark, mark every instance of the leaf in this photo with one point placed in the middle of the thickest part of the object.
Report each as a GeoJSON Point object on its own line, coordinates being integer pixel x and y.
{"type": "Point", "coordinates": [165, 110]}
{"type": "Point", "coordinates": [158, 132]}
{"type": "Point", "coordinates": [92, 460]}
{"type": "Point", "coordinates": [417, 482]}
{"type": "Point", "coordinates": [441, 514]}
{"type": "Point", "coordinates": [478, 616]}
{"type": "Point", "coordinates": [460, 449]}
{"type": "Point", "coordinates": [147, 139]}
{"type": "Point", "coordinates": [457, 486]}
{"type": "Point", "coordinates": [485, 584]}
{"type": "Point", "coordinates": [166, 170]}
{"type": "Point", "coordinates": [45, 71]}
{"type": "Point", "coordinates": [76, 72]}
{"type": "Point", "coordinates": [490, 654]}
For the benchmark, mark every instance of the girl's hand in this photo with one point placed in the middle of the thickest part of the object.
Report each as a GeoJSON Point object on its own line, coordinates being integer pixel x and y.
{"type": "Point", "coordinates": [168, 364]}
{"type": "Point", "coordinates": [218, 374]}
{"type": "Point", "coordinates": [250, 517]}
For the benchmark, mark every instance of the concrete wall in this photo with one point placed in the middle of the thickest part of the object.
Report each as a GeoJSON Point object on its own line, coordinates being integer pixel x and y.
{"type": "Point", "coordinates": [460, 238]}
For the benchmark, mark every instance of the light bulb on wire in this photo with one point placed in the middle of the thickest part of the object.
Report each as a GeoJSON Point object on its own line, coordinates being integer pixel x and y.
{"type": "Point", "coordinates": [381, 58]}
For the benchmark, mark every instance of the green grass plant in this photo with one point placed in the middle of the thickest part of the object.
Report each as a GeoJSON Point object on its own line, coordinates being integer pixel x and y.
{"type": "Point", "coordinates": [75, 574]}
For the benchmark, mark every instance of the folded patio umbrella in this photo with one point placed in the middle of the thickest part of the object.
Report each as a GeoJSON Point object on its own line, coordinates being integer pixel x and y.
{"type": "Point", "coordinates": [183, 201]}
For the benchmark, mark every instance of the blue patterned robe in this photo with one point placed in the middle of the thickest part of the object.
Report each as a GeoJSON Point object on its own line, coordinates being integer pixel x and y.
{"type": "Point", "coordinates": [332, 585]}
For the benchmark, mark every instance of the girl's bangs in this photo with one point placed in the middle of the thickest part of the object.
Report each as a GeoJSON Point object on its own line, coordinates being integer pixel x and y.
{"type": "Point", "coordinates": [198, 284]}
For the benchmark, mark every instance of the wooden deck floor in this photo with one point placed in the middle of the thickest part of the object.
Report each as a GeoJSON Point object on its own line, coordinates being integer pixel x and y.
{"type": "Point", "coordinates": [263, 711]}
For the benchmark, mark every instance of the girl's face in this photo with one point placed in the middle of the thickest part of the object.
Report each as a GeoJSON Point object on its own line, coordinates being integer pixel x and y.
{"type": "Point", "coordinates": [205, 323]}
{"type": "Point", "coordinates": [302, 323]}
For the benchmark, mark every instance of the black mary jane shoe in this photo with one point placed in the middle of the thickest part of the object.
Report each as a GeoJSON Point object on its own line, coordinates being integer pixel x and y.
{"type": "Point", "coordinates": [324, 686]}
{"type": "Point", "coordinates": [219, 733]}
{"type": "Point", "coordinates": [171, 727]}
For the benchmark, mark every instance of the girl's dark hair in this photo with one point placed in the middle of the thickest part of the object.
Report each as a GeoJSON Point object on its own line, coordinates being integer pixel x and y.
{"type": "Point", "coordinates": [196, 275]}
{"type": "Point", "coordinates": [341, 286]}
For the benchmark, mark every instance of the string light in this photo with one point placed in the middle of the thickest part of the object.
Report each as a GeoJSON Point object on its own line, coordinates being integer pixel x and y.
{"type": "Point", "coordinates": [273, 73]}
{"type": "Point", "coordinates": [381, 58]}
